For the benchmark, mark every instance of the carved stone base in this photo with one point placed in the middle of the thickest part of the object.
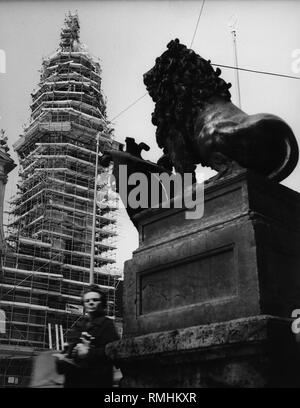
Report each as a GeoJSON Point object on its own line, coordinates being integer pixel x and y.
{"type": "Point", "coordinates": [199, 295]}
{"type": "Point", "coordinates": [240, 259]}
{"type": "Point", "coordinates": [258, 351]}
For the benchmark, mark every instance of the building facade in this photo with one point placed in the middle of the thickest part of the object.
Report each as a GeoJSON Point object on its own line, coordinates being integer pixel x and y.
{"type": "Point", "coordinates": [46, 265]}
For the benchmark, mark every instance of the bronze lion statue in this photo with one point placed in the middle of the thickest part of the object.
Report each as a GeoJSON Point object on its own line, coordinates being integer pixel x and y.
{"type": "Point", "coordinates": [197, 122]}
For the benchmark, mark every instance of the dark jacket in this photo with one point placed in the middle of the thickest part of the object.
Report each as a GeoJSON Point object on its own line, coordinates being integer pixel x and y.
{"type": "Point", "coordinates": [95, 370]}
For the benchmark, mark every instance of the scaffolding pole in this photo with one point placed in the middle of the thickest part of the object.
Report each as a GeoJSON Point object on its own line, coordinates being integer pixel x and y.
{"type": "Point", "coordinates": [56, 337]}
{"type": "Point", "coordinates": [94, 213]}
{"type": "Point", "coordinates": [50, 336]}
{"type": "Point", "coordinates": [61, 336]}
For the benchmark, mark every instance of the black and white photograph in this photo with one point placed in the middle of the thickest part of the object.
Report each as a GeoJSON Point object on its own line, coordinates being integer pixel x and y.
{"type": "Point", "coordinates": [149, 196]}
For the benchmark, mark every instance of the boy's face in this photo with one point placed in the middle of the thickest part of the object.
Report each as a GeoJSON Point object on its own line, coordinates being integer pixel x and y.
{"type": "Point", "coordinates": [91, 301]}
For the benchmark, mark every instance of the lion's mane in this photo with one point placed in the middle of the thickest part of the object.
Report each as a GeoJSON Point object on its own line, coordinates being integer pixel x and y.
{"type": "Point", "coordinates": [180, 83]}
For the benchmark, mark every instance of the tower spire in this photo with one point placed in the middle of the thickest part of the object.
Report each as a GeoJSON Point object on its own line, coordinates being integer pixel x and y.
{"type": "Point", "coordinates": [70, 32]}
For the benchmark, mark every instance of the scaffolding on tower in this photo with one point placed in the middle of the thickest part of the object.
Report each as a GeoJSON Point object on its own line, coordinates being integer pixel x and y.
{"type": "Point", "coordinates": [46, 265]}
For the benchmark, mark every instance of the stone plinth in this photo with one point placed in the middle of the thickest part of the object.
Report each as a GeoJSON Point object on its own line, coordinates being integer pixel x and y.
{"type": "Point", "coordinates": [243, 353]}
{"type": "Point", "coordinates": [207, 302]}
{"type": "Point", "coordinates": [240, 259]}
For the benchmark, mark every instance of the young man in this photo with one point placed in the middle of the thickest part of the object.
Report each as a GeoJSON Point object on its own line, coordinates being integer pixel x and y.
{"type": "Point", "coordinates": [84, 362]}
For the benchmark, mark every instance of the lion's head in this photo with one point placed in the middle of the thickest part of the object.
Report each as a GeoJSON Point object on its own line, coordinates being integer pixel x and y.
{"type": "Point", "coordinates": [180, 83]}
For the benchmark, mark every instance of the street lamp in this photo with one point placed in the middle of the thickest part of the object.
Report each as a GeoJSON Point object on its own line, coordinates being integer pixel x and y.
{"type": "Point", "coordinates": [232, 23]}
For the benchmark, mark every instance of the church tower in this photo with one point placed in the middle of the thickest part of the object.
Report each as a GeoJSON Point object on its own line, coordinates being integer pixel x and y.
{"type": "Point", "coordinates": [47, 261]}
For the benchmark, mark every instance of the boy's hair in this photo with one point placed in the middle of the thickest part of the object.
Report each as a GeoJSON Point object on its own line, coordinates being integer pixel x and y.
{"type": "Point", "coordinates": [95, 288]}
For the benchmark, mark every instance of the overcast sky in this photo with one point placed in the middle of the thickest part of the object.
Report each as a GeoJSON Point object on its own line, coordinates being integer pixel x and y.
{"type": "Point", "coordinates": [127, 36]}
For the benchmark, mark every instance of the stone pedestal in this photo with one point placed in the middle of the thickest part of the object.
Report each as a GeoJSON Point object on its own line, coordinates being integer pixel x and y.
{"type": "Point", "coordinates": [243, 353]}
{"type": "Point", "coordinates": [190, 280]}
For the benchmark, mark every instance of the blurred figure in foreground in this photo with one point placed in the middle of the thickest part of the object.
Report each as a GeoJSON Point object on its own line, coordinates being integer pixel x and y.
{"type": "Point", "coordinates": [83, 362]}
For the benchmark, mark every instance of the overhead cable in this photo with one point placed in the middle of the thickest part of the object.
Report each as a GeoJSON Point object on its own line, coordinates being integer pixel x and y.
{"type": "Point", "coordinates": [200, 14]}
{"type": "Point", "coordinates": [256, 71]}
